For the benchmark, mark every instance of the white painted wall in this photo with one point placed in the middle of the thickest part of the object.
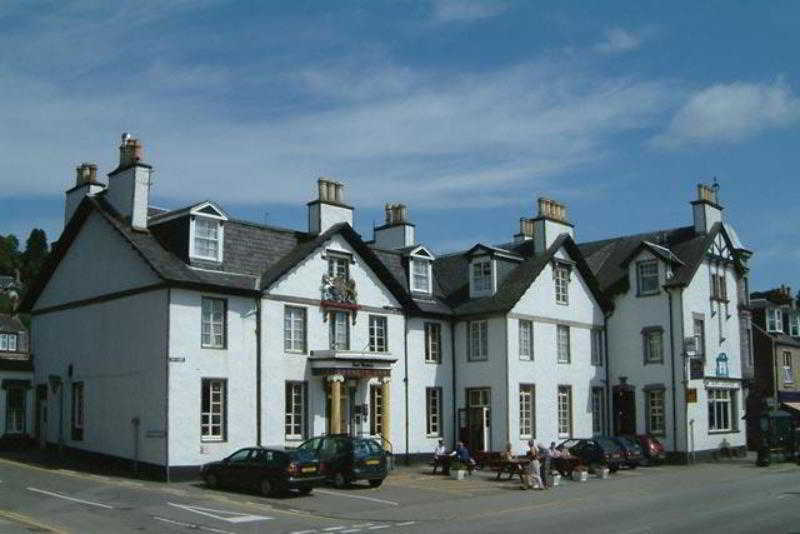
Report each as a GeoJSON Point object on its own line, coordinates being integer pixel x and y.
{"type": "Point", "coordinates": [129, 192]}
{"type": "Point", "coordinates": [394, 237]}
{"type": "Point", "coordinates": [118, 348]}
{"type": "Point", "coordinates": [99, 262]}
{"type": "Point", "coordinates": [236, 363]}
{"type": "Point", "coordinates": [322, 216]}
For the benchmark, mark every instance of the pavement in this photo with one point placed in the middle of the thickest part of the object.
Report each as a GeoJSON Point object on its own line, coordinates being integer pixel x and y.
{"type": "Point", "coordinates": [729, 496]}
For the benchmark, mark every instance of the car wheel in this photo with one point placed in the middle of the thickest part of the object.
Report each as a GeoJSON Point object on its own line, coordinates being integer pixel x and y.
{"type": "Point", "coordinates": [266, 487]}
{"type": "Point", "coordinates": [211, 481]}
{"type": "Point", "coordinates": [305, 491]}
{"type": "Point", "coordinates": [376, 483]}
{"type": "Point", "coordinates": [340, 481]}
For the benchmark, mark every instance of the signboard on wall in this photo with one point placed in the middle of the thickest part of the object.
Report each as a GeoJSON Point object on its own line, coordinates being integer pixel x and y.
{"type": "Point", "coordinates": [691, 395]}
{"type": "Point", "coordinates": [696, 368]}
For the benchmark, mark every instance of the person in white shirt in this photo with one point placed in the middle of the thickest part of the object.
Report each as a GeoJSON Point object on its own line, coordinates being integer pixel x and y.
{"type": "Point", "coordinates": [440, 457]}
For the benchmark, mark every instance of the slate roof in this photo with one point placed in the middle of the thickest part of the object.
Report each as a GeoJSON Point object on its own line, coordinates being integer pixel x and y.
{"type": "Point", "coordinates": [608, 258]}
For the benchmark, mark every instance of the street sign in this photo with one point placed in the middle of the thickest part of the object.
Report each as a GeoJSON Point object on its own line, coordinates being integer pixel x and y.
{"type": "Point", "coordinates": [691, 395]}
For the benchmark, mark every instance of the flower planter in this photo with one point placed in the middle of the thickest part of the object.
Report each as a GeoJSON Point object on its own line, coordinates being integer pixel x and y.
{"type": "Point", "coordinates": [604, 472]}
{"type": "Point", "coordinates": [580, 476]}
{"type": "Point", "coordinates": [556, 480]}
{"type": "Point", "coordinates": [458, 475]}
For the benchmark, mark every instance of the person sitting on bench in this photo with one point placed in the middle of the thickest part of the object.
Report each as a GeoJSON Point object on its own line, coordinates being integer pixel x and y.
{"type": "Point", "coordinates": [462, 454]}
{"type": "Point", "coordinates": [440, 457]}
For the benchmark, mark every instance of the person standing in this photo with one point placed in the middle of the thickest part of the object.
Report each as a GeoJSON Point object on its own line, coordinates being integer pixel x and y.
{"type": "Point", "coordinates": [534, 468]}
{"type": "Point", "coordinates": [544, 460]}
{"type": "Point", "coordinates": [440, 457]}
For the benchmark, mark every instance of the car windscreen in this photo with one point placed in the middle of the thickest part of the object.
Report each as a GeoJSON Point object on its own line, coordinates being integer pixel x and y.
{"type": "Point", "coordinates": [607, 444]}
{"type": "Point", "coordinates": [303, 455]}
{"type": "Point", "coordinates": [569, 444]}
{"type": "Point", "coordinates": [363, 448]}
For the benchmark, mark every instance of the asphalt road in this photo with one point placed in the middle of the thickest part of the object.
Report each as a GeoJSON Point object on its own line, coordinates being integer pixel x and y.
{"type": "Point", "coordinates": [727, 497]}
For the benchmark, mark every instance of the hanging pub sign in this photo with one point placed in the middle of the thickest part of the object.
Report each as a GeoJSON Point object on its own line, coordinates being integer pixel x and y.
{"type": "Point", "coordinates": [691, 395]}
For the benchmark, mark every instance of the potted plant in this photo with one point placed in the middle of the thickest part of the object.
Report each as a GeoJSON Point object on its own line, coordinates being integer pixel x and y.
{"type": "Point", "coordinates": [580, 474]}
{"type": "Point", "coordinates": [556, 478]}
{"type": "Point", "coordinates": [458, 470]}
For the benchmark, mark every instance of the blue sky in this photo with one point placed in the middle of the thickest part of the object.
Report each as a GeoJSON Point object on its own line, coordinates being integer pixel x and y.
{"type": "Point", "coordinates": [467, 111]}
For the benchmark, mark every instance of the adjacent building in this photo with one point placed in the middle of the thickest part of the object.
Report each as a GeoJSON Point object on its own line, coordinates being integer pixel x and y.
{"type": "Point", "coordinates": [16, 379]}
{"type": "Point", "coordinates": [174, 337]}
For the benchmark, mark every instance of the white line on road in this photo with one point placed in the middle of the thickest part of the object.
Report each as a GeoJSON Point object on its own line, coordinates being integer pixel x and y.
{"type": "Point", "coordinates": [332, 529]}
{"type": "Point", "coordinates": [58, 495]}
{"type": "Point", "coordinates": [348, 531]}
{"type": "Point", "coordinates": [376, 527]}
{"type": "Point", "coordinates": [405, 524]}
{"type": "Point", "coordinates": [373, 499]}
{"type": "Point", "coordinates": [191, 525]}
{"type": "Point", "coordinates": [312, 531]}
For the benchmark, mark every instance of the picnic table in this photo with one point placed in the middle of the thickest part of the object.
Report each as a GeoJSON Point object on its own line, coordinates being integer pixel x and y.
{"type": "Point", "coordinates": [445, 461]}
{"type": "Point", "coordinates": [565, 464]}
{"type": "Point", "coordinates": [516, 466]}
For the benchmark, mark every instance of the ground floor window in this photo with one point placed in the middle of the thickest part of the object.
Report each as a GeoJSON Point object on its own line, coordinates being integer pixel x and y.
{"type": "Point", "coordinates": [654, 400]}
{"type": "Point", "coordinates": [526, 411]}
{"type": "Point", "coordinates": [213, 409]}
{"type": "Point", "coordinates": [77, 410]}
{"type": "Point", "coordinates": [598, 411]}
{"type": "Point", "coordinates": [295, 410]}
{"type": "Point", "coordinates": [15, 409]}
{"type": "Point", "coordinates": [433, 403]}
{"type": "Point", "coordinates": [721, 410]}
{"type": "Point", "coordinates": [376, 410]}
{"type": "Point", "coordinates": [564, 411]}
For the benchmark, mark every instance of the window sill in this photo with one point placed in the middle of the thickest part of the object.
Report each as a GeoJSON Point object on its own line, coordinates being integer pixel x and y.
{"type": "Point", "coordinates": [477, 359]}
{"type": "Point", "coordinates": [648, 294]}
{"type": "Point", "coordinates": [715, 432]}
{"type": "Point", "coordinates": [562, 303]}
{"type": "Point", "coordinates": [433, 436]}
{"type": "Point", "coordinates": [203, 258]}
{"type": "Point", "coordinates": [293, 439]}
{"type": "Point", "coordinates": [567, 362]}
{"type": "Point", "coordinates": [654, 362]}
{"type": "Point", "coordinates": [295, 352]}
{"type": "Point", "coordinates": [433, 362]}
{"type": "Point", "coordinates": [214, 347]}
{"type": "Point", "coordinates": [213, 440]}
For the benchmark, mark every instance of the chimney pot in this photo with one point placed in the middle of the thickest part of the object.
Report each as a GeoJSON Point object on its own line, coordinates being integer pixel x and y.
{"type": "Point", "coordinates": [339, 192]}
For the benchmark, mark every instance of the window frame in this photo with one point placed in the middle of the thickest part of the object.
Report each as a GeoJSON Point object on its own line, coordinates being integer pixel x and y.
{"type": "Point", "coordinates": [333, 329]}
{"type": "Point", "coordinates": [481, 271]}
{"type": "Point", "coordinates": [564, 392]}
{"type": "Point", "coordinates": [376, 416]}
{"type": "Point", "coordinates": [433, 339]}
{"type": "Point", "coordinates": [794, 323]}
{"type": "Point", "coordinates": [561, 280]}
{"type": "Point", "coordinates": [481, 327]}
{"type": "Point", "coordinates": [788, 368]}
{"type": "Point", "coordinates": [527, 403]}
{"type": "Point", "coordinates": [5, 342]}
{"type": "Point", "coordinates": [14, 414]}
{"type": "Point", "coordinates": [641, 276]}
{"type": "Point", "coordinates": [652, 408]}
{"type": "Point", "coordinates": [647, 354]}
{"type": "Point", "coordinates": [563, 350]}
{"type": "Point", "coordinates": [598, 403]}
{"type": "Point", "coordinates": [426, 267]}
{"type": "Point", "coordinates": [224, 323]}
{"type": "Point", "coordinates": [210, 436]}
{"type": "Point", "coordinates": [336, 259]}
{"type": "Point", "coordinates": [699, 337]}
{"type": "Point", "coordinates": [525, 349]}
{"type": "Point", "coordinates": [374, 327]}
{"type": "Point", "coordinates": [774, 320]}
{"type": "Point", "coordinates": [288, 315]}
{"type": "Point", "coordinates": [219, 239]}
{"type": "Point", "coordinates": [433, 418]}
{"type": "Point", "coordinates": [727, 409]}
{"type": "Point", "coordinates": [291, 412]}
{"type": "Point", "coordinates": [78, 411]}
{"type": "Point", "coordinates": [598, 347]}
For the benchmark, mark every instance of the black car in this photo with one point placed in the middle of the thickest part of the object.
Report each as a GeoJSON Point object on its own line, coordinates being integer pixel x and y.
{"type": "Point", "coordinates": [631, 450]}
{"type": "Point", "coordinates": [268, 470]}
{"type": "Point", "coordinates": [594, 452]}
{"type": "Point", "coordinates": [348, 458]}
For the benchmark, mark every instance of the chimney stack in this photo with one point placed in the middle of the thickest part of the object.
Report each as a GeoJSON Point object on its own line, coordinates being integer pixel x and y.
{"type": "Point", "coordinates": [525, 230]}
{"type": "Point", "coordinates": [550, 222]}
{"type": "Point", "coordinates": [129, 184]}
{"type": "Point", "coordinates": [397, 232]}
{"type": "Point", "coordinates": [706, 210]}
{"type": "Point", "coordinates": [329, 207]}
{"type": "Point", "coordinates": [85, 184]}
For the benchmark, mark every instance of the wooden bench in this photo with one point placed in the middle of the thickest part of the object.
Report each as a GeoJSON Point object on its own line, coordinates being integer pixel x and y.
{"type": "Point", "coordinates": [514, 467]}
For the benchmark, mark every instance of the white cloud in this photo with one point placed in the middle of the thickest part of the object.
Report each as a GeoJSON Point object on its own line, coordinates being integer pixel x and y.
{"type": "Point", "coordinates": [619, 40]}
{"type": "Point", "coordinates": [466, 10]}
{"type": "Point", "coordinates": [730, 113]}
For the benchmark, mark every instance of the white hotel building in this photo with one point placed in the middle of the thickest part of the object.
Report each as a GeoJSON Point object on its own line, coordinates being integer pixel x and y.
{"type": "Point", "coordinates": [173, 338]}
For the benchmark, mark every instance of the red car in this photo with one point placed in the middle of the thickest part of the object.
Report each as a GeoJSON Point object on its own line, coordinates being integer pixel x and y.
{"type": "Point", "coordinates": [652, 449]}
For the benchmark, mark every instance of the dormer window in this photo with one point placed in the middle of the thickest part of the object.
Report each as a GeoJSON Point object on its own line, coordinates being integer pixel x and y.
{"type": "Point", "coordinates": [8, 342]}
{"type": "Point", "coordinates": [206, 233]}
{"type": "Point", "coordinates": [647, 277]}
{"type": "Point", "coordinates": [482, 276]}
{"type": "Point", "coordinates": [561, 278]}
{"type": "Point", "coordinates": [794, 324]}
{"type": "Point", "coordinates": [421, 276]}
{"type": "Point", "coordinates": [774, 320]}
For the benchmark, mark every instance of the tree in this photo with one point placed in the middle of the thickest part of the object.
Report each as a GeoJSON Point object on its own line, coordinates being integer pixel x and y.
{"type": "Point", "coordinates": [9, 255]}
{"type": "Point", "coordinates": [36, 251]}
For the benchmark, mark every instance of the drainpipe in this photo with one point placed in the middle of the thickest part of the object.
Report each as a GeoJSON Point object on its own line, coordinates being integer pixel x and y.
{"type": "Point", "coordinates": [405, 384]}
{"type": "Point", "coordinates": [453, 366]}
{"type": "Point", "coordinates": [672, 368]}
{"type": "Point", "coordinates": [508, 387]}
{"type": "Point", "coordinates": [608, 375]}
{"type": "Point", "coordinates": [258, 370]}
{"type": "Point", "coordinates": [167, 431]}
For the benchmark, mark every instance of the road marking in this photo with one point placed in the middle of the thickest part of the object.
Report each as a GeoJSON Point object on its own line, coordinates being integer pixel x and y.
{"type": "Point", "coordinates": [405, 524]}
{"type": "Point", "coordinates": [312, 531]}
{"type": "Point", "coordinates": [191, 525]}
{"type": "Point", "coordinates": [331, 529]}
{"type": "Point", "coordinates": [29, 522]}
{"type": "Point", "coordinates": [350, 530]}
{"type": "Point", "coordinates": [373, 499]}
{"type": "Point", "coordinates": [377, 527]}
{"type": "Point", "coordinates": [233, 517]}
{"type": "Point", "coordinates": [73, 499]}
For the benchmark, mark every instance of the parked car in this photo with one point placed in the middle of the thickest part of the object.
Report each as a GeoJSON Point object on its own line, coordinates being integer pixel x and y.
{"type": "Point", "coordinates": [632, 451]}
{"type": "Point", "coordinates": [346, 458]}
{"type": "Point", "coordinates": [268, 470]}
{"type": "Point", "coordinates": [652, 449]}
{"type": "Point", "coordinates": [594, 452]}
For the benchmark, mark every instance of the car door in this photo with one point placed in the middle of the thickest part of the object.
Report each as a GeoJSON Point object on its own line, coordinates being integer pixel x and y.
{"type": "Point", "coordinates": [259, 467]}
{"type": "Point", "coordinates": [236, 468]}
{"type": "Point", "coordinates": [331, 453]}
